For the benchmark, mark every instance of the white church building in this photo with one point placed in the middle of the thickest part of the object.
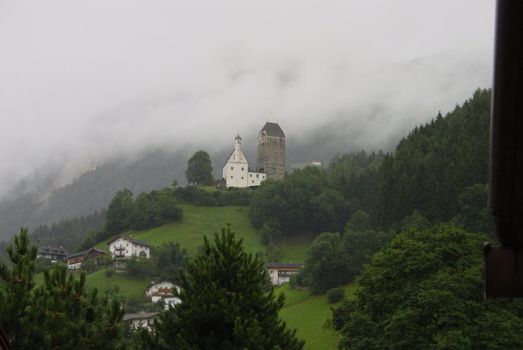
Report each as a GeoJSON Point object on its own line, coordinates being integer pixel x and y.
{"type": "Point", "coordinates": [236, 171]}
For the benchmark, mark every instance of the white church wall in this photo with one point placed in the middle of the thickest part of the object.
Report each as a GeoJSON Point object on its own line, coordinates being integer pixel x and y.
{"type": "Point", "coordinates": [236, 174]}
{"type": "Point", "coordinates": [255, 179]}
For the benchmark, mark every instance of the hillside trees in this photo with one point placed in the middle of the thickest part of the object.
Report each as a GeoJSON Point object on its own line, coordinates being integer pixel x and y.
{"type": "Point", "coordinates": [431, 172]}
{"type": "Point", "coordinates": [227, 303]}
{"type": "Point", "coordinates": [120, 212]}
{"type": "Point", "coordinates": [59, 314]}
{"type": "Point", "coordinates": [334, 260]}
{"type": "Point", "coordinates": [301, 202]}
{"type": "Point", "coordinates": [436, 162]}
{"type": "Point", "coordinates": [424, 291]}
{"type": "Point", "coordinates": [325, 265]}
{"type": "Point", "coordinates": [199, 169]}
{"type": "Point", "coordinates": [148, 210]}
{"type": "Point", "coordinates": [69, 233]}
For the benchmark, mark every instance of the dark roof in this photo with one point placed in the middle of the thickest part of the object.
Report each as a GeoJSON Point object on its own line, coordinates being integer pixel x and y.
{"type": "Point", "coordinates": [52, 250]}
{"type": "Point", "coordinates": [74, 255]}
{"type": "Point", "coordinates": [132, 240]}
{"type": "Point", "coordinates": [139, 316]}
{"type": "Point", "coordinates": [273, 129]}
{"type": "Point", "coordinates": [285, 265]}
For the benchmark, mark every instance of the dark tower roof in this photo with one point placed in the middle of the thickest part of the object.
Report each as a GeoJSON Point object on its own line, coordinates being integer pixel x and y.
{"type": "Point", "coordinates": [273, 129]}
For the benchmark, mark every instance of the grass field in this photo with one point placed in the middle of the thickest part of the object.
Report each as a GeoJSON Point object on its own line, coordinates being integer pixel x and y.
{"type": "Point", "coordinates": [127, 287]}
{"type": "Point", "coordinates": [198, 222]}
{"type": "Point", "coordinates": [308, 314]}
{"type": "Point", "coordinates": [293, 249]}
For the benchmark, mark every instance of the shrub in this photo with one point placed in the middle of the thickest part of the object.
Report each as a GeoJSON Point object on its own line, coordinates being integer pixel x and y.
{"type": "Point", "coordinates": [298, 280]}
{"type": "Point", "coordinates": [335, 295]}
{"type": "Point", "coordinates": [109, 272]}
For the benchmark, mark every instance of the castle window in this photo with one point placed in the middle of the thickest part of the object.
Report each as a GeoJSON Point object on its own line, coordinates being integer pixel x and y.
{"type": "Point", "coordinates": [242, 170]}
{"type": "Point", "coordinates": [242, 177]}
{"type": "Point", "coordinates": [257, 175]}
{"type": "Point", "coordinates": [232, 168]}
{"type": "Point", "coordinates": [232, 177]}
{"type": "Point", "coordinates": [252, 181]}
{"type": "Point", "coordinates": [250, 175]}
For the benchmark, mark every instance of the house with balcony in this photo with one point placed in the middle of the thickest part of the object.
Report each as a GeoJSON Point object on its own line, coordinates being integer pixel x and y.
{"type": "Point", "coordinates": [123, 247]}
{"type": "Point", "coordinates": [280, 273]}
{"type": "Point", "coordinates": [52, 253]}
{"type": "Point", "coordinates": [74, 261]}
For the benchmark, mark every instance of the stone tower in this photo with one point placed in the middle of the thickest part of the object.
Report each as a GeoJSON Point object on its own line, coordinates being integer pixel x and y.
{"type": "Point", "coordinates": [271, 151]}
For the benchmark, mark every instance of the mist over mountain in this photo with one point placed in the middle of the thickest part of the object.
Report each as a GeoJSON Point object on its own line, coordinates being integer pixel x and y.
{"type": "Point", "coordinates": [84, 83]}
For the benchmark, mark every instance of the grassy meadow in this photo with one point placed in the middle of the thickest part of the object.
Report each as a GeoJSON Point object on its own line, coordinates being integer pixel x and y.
{"type": "Point", "coordinates": [309, 314]}
{"type": "Point", "coordinates": [198, 222]}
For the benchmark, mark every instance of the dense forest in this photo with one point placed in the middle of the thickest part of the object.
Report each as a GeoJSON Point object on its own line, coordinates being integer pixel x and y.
{"type": "Point", "coordinates": [68, 233]}
{"type": "Point", "coordinates": [438, 170]}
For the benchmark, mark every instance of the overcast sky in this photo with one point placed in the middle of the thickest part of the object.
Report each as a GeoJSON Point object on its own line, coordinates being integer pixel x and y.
{"type": "Point", "coordinates": [84, 80]}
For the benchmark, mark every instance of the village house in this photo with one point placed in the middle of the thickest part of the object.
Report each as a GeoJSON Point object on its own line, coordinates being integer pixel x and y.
{"type": "Point", "coordinates": [122, 247]}
{"type": "Point", "coordinates": [163, 291]}
{"type": "Point", "coordinates": [74, 261]}
{"type": "Point", "coordinates": [140, 320]}
{"type": "Point", "coordinates": [280, 273]}
{"type": "Point", "coordinates": [52, 253]}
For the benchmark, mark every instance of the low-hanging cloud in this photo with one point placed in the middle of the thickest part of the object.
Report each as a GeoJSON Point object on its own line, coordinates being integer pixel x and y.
{"type": "Point", "coordinates": [81, 81]}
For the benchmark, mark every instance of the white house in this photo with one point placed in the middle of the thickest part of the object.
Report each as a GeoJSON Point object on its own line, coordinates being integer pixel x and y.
{"type": "Point", "coordinates": [236, 171]}
{"type": "Point", "coordinates": [52, 253]}
{"type": "Point", "coordinates": [163, 291]}
{"type": "Point", "coordinates": [127, 247]}
{"type": "Point", "coordinates": [140, 320]}
{"type": "Point", "coordinates": [280, 273]}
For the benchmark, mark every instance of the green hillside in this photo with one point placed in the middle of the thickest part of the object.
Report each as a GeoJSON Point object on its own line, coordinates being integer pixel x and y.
{"type": "Point", "coordinates": [198, 222]}
{"type": "Point", "coordinates": [308, 315]}
{"type": "Point", "coordinates": [127, 287]}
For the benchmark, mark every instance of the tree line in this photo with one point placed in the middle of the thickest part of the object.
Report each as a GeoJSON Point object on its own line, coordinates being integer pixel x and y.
{"type": "Point", "coordinates": [126, 213]}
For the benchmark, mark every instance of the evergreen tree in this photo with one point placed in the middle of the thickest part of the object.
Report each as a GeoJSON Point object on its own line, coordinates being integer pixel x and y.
{"type": "Point", "coordinates": [60, 314]}
{"type": "Point", "coordinates": [15, 288]}
{"type": "Point", "coordinates": [227, 302]}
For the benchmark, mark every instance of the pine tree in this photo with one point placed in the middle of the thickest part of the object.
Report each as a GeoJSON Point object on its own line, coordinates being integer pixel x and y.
{"type": "Point", "coordinates": [15, 287]}
{"type": "Point", "coordinates": [227, 302]}
{"type": "Point", "coordinates": [60, 314]}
